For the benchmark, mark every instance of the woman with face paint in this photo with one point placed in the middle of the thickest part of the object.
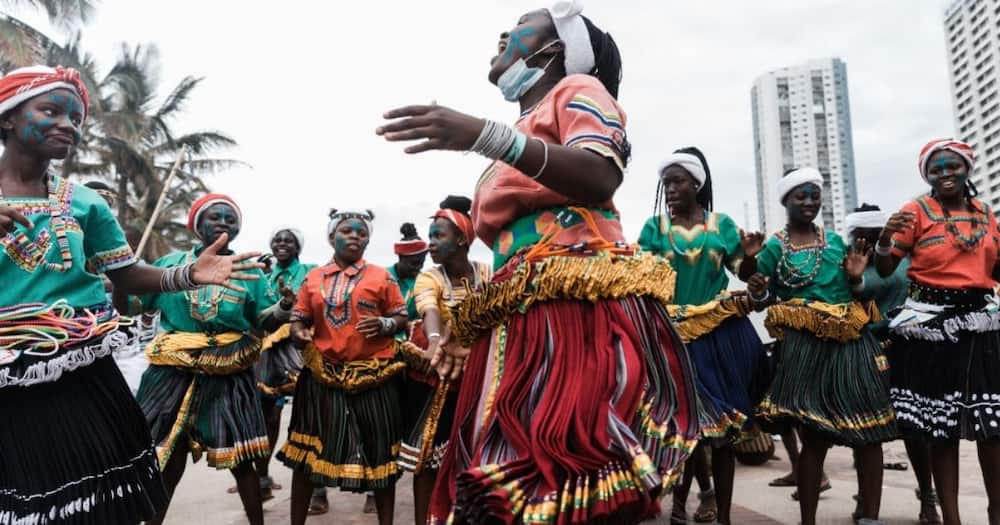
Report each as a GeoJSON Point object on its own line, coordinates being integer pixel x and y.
{"type": "Point", "coordinates": [75, 447]}
{"type": "Point", "coordinates": [200, 393]}
{"type": "Point", "coordinates": [727, 354]}
{"type": "Point", "coordinates": [945, 366]}
{"type": "Point", "coordinates": [832, 380]}
{"type": "Point", "coordinates": [429, 401]}
{"type": "Point", "coordinates": [346, 424]}
{"type": "Point", "coordinates": [576, 380]}
{"type": "Point", "coordinates": [411, 251]}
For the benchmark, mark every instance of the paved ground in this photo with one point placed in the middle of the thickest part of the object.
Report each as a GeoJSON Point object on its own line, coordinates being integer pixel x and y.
{"type": "Point", "coordinates": [202, 498]}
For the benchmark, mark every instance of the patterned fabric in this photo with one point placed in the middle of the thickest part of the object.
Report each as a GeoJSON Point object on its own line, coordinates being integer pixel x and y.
{"type": "Point", "coordinates": [292, 275]}
{"type": "Point", "coordinates": [334, 299]}
{"type": "Point", "coordinates": [577, 112]}
{"type": "Point", "coordinates": [829, 285]}
{"type": "Point", "coordinates": [572, 229]}
{"type": "Point", "coordinates": [700, 255]}
{"type": "Point", "coordinates": [22, 84]}
{"type": "Point", "coordinates": [433, 289]}
{"type": "Point", "coordinates": [889, 292]}
{"type": "Point", "coordinates": [406, 289]}
{"type": "Point", "coordinates": [212, 309]}
{"type": "Point", "coordinates": [460, 220]}
{"type": "Point", "coordinates": [96, 242]}
{"type": "Point", "coordinates": [956, 146]}
{"type": "Point", "coordinates": [935, 259]}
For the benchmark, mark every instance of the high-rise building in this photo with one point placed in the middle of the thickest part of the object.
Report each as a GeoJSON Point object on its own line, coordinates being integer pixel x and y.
{"type": "Point", "coordinates": [802, 117]}
{"type": "Point", "coordinates": [971, 29]}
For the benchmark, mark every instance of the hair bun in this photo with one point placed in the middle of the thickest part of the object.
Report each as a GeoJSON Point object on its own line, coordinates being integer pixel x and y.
{"type": "Point", "coordinates": [457, 203]}
{"type": "Point", "coordinates": [409, 231]}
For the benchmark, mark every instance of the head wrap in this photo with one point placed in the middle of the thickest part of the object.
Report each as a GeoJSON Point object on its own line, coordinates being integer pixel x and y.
{"type": "Point", "coordinates": [956, 146]}
{"type": "Point", "coordinates": [205, 202]}
{"type": "Point", "coordinates": [867, 220]}
{"type": "Point", "coordinates": [339, 216]}
{"type": "Point", "coordinates": [297, 233]}
{"type": "Point", "coordinates": [572, 30]}
{"type": "Point", "coordinates": [689, 162]}
{"type": "Point", "coordinates": [797, 178]}
{"type": "Point", "coordinates": [460, 220]}
{"type": "Point", "coordinates": [25, 83]}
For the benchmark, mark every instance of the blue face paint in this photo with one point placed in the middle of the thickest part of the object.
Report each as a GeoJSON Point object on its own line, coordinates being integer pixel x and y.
{"type": "Point", "coordinates": [215, 220]}
{"type": "Point", "coordinates": [350, 231]}
{"type": "Point", "coordinates": [442, 241]}
{"type": "Point", "coordinates": [516, 42]}
{"type": "Point", "coordinates": [45, 115]}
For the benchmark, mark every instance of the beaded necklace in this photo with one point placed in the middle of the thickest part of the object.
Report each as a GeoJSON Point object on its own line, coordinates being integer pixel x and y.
{"type": "Point", "coordinates": [32, 251]}
{"type": "Point", "coordinates": [704, 236]}
{"type": "Point", "coordinates": [212, 297]}
{"type": "Point", "coordinates": [978, 230]}
{"type": "Point", "coordinates": [797, 276]}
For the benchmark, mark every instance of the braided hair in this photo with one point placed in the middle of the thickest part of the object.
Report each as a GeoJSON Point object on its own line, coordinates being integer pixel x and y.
{"type": "Point", "coordinates": [607, 58]}
{"type": "Point", "coordinates": [704, 197]}
{"type": "Point", "coordinates": [457, 203]}
{"type": "Point", "coordinates": [409, 232]}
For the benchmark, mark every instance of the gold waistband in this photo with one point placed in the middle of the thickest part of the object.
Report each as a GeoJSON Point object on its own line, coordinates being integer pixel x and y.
{"type": "Point", "coordinates": [837, 322]}
{"type": "Point", "coordinates": [218, 354]}
{"type": "Point", "coordinates": [693, 321]}
{"type": "Point", "coordinates": [352, 376]}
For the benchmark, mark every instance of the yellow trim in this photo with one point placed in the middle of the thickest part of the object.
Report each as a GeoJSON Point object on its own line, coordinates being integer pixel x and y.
{"type": "Point", "coordinates": [296, 454]}
{"type": "Point", "coordinates": [352, 376]}
{"type": "Point", "coordinates": [837, 322]}
{"type": "Point", "coordinates": [227, 458]}
{"type": "Point", "coordinates": [281, 334]}
{"type": "Point", "coordinates": [563, 277]}
{"type": "Point", "coordinates": [183, 350]}
{"type": "Point", "coordinates": [769, 410]}
{"type": "Point", "coordinates": [693, 322]}
{"type": "Point", "coordinates": [164, 451]}
{"type": "Point", "coordinates": [430, 425]}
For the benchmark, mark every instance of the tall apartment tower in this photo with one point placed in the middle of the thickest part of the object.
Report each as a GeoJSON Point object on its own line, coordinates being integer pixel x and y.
{"type": "Point", "coordinates": [971, 30]}
{"type": "Point", "coordinates": [802, 117]}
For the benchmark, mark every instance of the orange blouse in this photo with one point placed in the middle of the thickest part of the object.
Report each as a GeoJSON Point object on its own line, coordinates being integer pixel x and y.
{"type": "Point", "coordinates": [333, 300]}
{"type": "Point", "coordinates": [935, 259]}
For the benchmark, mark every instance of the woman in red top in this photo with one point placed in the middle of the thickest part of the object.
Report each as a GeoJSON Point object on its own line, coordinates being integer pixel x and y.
{"type": "Point", "coordinates": [944, 357]}
{"type": "Point", "coordinates": [577, 404]}
{"type": "Point", "coordinates": [346, 427]}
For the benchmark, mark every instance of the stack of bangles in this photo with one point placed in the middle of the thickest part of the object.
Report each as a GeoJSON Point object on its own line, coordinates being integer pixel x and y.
{"type": "Point", "coordinates": [177, 279]}
{"type": "Point", "coordinates": [387, 325]}
{"type": "Point", "coordinates": [501, 142]}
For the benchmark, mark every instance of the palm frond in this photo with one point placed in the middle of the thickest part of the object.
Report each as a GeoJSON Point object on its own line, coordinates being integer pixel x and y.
{"type": "Point", "coordinates": [175, 101]}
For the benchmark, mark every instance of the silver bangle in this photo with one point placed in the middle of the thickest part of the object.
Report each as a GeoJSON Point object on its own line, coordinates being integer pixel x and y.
{"type": "Point", "coordinates": [883, 251]}
{"type": "Point", "coordinates": [495, 140]}
{"type": "Point", "coordinates": [767, 295]}
{"type": "Point", "coordinates": [388, 325]}
{"type": "Point", "coordinates": [177, 279]}
{"type": "Point", "coordinates": [545, 160]}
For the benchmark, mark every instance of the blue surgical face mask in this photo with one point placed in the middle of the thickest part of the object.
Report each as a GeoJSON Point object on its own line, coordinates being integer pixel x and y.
{"type": "Point", "coordinates": [519, 78]}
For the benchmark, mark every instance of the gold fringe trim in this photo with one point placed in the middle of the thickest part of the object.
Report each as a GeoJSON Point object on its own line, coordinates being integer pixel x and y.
{"type": "Point", "coordinates": [693, 322]}
{"type": "Point", "coordinates": [592, 278]}
{"type": "Point", "coordinates": [184, 350]}
{"type": "Point", "coordinates": [294, 452]}
{"type": "Point", "coordinates": [280, 390]}
{"type": "Point", "coordinates": [352, 376]}
{"type": "Point", "coordinates": [409, 353]}
{"type": "Point", "coordinates": [768, 410]}
{"type": "Point", "coordinates": [837, 322]}
{"type": "Point", "coordinates": [164, 451]}
{"type": "Point", "coordinates": [430, 425]}
{"type": "Point", "coordinates": [283, 333]}
{"type": "Point", "coordinates": [227, 458]}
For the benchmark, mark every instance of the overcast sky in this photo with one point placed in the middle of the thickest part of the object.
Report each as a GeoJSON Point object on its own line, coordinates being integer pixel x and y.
{"type": "Point", "coordinates": [301, 85]}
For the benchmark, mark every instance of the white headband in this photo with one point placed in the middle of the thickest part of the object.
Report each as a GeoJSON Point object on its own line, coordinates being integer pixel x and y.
{"type": "Point", "coordinates": [341, 216]}
{"type": "Point", "coordinates": [689, 162]}
{"type": "Point", "coordinates": [866, 219]}
{"type": "Point", "coordinates": [579, 55]}
{"type": "Point", "coordinates": [797, 178]}
{"type": "Point", "coordinates": [297, 233]}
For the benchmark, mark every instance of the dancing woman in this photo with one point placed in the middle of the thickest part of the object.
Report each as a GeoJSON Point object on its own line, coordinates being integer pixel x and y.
{"type": "Point", "coordinates": [832, 380]}
{"type": "Point", "coordinates": [727, 354]}
{"type": "Point", "coordinates": [345, 428]}
{"type": "Point", "coordinates": [429, 401]}
{"type": "Point", "coordinates": [75, 447]}
{"type": "Point", "coordinates": [199, 393]}
{"type": "Point", "coordinates": [945, 366]}
{"type": "Point", "coordinates": [577, 402]}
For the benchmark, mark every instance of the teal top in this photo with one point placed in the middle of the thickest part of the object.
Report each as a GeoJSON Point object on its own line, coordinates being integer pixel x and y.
{"type": "Point", "coordinates": [211, 309]}
{"type": "Point", "coordinates": [890, 292]}
{"type": "Point", "coordinates": [33, 259]}
{"type": "Point", "coordinates": [829, 285]}
{"type": "Point", "coordinates": [700, 255]}
{"type": "Point", "coordinates": [293, 276]}
{"type": "Point", "coordinates": [406, 289]}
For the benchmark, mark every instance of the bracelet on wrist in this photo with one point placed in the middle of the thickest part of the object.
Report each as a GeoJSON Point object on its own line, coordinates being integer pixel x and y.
{"type": "Point", "coordinates": [883, 250]}
{"type": "Point", "coordinates": [767, 295]}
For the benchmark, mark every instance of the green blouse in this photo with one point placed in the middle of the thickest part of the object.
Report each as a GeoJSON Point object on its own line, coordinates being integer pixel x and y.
{"type": "Point", "coordinates": [212, 309]}
{"type": "Point", "coordinates": [96, 244]}
{"type": "Point", "coordinates": [406, 288]}
{"type": "Point", "coordinates": [889, 292]}
{"type": "Point", "coordinates": [293, 276]}
{"type": "Point", "coordinates": [700, 255]}
{"type": "Point", "coordinates": [830, 283]}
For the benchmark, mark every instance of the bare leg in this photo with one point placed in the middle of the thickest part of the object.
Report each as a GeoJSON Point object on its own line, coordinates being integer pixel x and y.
{"type": "Point", "coordinates": [989, 461]}
{"type": "Point", "coordinates": [385, 502]}
{"type": "Point", "coordinates": [869, 458]}
{"type": "Point", "coordinates": [918, 451]}
{"type": "Point", "coordinates": [810, 475]}
{"type": "Point", "coordinates": [172, 474]}
{"type": "Point", "coordinates": [272, 419]}
{"type": "Point", "coordinates": [723, 471]}
{"type": "Point", "coordinates": [682, 489]}
{"type": "Point", "coordinates": [790, 441]}
{"type": "Point", "coordinates": [944, 462]}
{"type": "Point", "coordinates": [249, 486]}
{"type": "Point", "coordinates": [423, 486]}
{"type": "Point", "coordinates": [302, 490]}
{"type": "Point", "coordinates": [701, 470]}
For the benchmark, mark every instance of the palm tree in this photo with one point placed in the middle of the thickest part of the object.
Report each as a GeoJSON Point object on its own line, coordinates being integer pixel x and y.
{"type": "Point", "coordinates": [21, 45]}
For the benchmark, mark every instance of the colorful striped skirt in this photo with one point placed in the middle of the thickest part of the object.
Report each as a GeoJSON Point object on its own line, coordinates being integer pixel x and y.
{"type": "Point", "coordinates": [837, 389]}
{"type": "Point", "coordinates": [571, 412]}
{"type": "Point", "coordinates": [346, 439]}
{"type": "Point", "coordinates": [75, 448]}
{"type": "Point", "coordinates": [946, 370]}
{"type": "Point", "coordinates": [279, 364]}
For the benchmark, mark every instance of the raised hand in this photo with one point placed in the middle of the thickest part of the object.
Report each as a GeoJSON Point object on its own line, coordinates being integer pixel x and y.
{"type": "Point", "coordinates": [9, 218]}
{"type": "Point", "coordinates": [212, 268]}
{"type": "Point", "coordinates": [857, 260]}
{"type": "Point", "coordinates": [900, 222]}
{"type": "Point", "coordinates": [752, 243]}
{"type": "Point", "coordinates": [440, 128]}
{"type": "Point", "coordinates": [757, 285]}
{"type": "Point", "coordinates": [301, 334]}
